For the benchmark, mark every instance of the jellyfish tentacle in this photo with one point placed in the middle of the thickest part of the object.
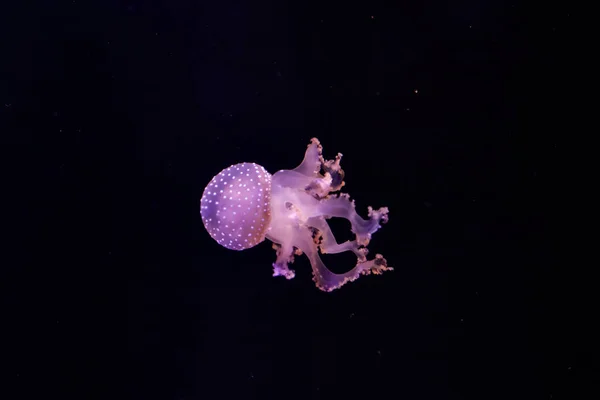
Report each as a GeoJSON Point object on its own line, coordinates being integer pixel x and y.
{"type": "Point", "coordinates": [285, 256]}
{"type": "Point", "coordinates": [311, 164]}
{"type": "Point", "coordinates": [327, 243]}
{"type": "Point", "coordinates": [341, 206]}
{"type": "Point", "coordinates": [333, 172]}
{"type": "Point", "coordinates": [327, 280]}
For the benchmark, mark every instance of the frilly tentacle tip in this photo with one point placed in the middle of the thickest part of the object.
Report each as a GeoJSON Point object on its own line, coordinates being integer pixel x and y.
{"type": "Point", "coordinates": [278, 270]}
{"type": "Point", "coordinates": [382, 214]}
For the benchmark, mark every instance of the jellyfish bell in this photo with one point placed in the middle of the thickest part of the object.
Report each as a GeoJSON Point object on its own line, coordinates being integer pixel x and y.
{"type": "Point", "coordinates": [235, 206]}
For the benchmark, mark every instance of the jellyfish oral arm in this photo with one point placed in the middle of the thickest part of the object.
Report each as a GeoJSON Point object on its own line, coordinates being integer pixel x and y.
{"type": "Point", "coordinates": [301, 202]}
{"type": "Point", "coordinates": [313, 234]}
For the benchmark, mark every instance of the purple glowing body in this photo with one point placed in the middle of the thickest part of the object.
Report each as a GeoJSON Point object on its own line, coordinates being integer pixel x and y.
{"type": "Point", "coordinates": [244, 204]}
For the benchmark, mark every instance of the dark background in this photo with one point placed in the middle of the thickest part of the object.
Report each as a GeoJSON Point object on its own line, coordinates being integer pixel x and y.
{"type": "Point", "coordinates": [116, 115]}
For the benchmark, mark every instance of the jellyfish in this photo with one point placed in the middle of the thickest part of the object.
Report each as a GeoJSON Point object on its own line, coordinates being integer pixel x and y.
{"type": "Point", "coordinates": [244, 205]}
